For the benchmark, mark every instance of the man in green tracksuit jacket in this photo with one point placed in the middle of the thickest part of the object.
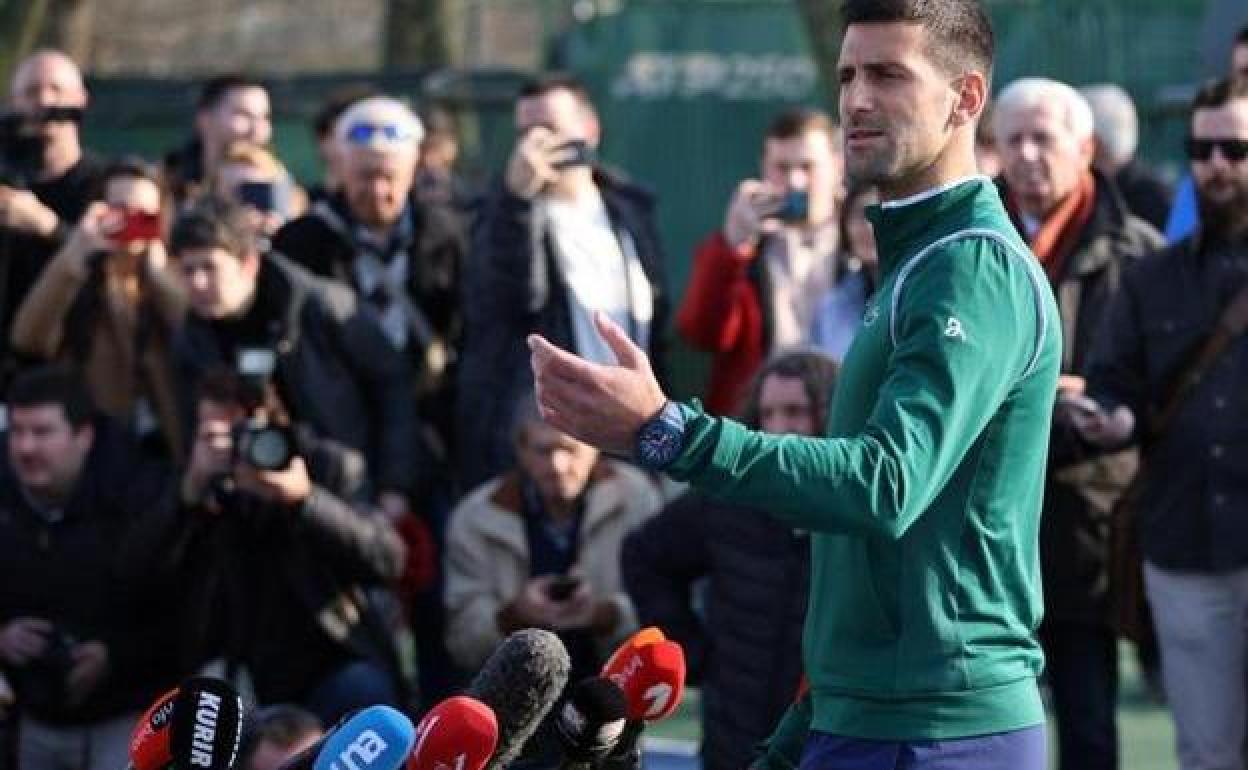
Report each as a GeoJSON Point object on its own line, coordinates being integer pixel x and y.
{"type": "Point", "coordinates": [924, 498]}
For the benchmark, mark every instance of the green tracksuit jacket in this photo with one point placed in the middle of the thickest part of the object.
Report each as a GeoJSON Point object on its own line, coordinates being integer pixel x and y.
{"type": "Point", "coordinates": [924, 498]}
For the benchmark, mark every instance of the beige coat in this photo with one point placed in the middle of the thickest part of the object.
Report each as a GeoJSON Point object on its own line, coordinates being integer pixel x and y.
{"type": "Point", "coordinates": [487, 560]}
{"type": "Point", "coordinates": [39, 329]}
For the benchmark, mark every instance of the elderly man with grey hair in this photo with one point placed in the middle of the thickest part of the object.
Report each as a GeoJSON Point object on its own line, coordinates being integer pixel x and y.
{"type": "Point", "coordinates": [1079, 227]}
{"type": "Point", "coordinates": [403, 257]}
{"type": "Point", "coordinates": [1117, 130]}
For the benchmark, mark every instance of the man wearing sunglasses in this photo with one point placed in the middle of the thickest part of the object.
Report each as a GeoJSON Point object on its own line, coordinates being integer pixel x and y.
{"type": "Point", "coordinates": [400, 255]}
{"type": "Point", "coordinates": [1193, 529]}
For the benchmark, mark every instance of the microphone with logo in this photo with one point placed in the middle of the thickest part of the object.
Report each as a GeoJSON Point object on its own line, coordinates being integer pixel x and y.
{"type": "Point", "coordinates": [460, 733]}
{"type": "Point", "coordinates": [206, 723]}
{"type": "Point", "coordinates": [590, 722]}
{"type": "Point", "coordinates": [650, 670]}
{"type": "Point", "coordinates": [149, 741]}
{"type": "Point", "coordinates": [521, 681]}
{"type": "Point", "coordinates": [376, 738]}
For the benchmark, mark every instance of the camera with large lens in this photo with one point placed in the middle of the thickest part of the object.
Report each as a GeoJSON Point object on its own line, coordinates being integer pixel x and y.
{"type": "Point", "coordinates": [263, 445]}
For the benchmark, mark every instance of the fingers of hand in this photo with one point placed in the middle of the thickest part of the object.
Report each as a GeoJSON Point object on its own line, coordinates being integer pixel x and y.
{"type": "Point", "coordinates": [626, 352]}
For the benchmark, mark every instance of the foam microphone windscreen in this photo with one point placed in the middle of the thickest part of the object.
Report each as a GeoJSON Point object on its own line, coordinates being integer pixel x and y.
{"type": "Point", "coordinates": [646, 636]}
{"type": "Point", "coordinates": [652, 677]}
{"type": "Point", "coordinates": [375, 738]}
{"type": "Point", "coordinates": [591, 720]}
{"type": "Point", "coordinates": [149, 742]}
{"type": "Point", "coordinates": [460, 733]}
{"type": "Point", "coordinates": [206, 725]}
{"type": "Point", "coordinates": [521, 681]}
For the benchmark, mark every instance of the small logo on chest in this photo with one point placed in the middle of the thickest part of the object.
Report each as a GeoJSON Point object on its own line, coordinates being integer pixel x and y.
{"type": "Point", "coordinates": [871, 315]}
{"type": "Point", "coordinates": [953, 329]}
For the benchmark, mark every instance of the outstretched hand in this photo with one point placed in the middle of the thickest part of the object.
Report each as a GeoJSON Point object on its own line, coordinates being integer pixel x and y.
{"type": "Point", "coordinates": [599, 404]}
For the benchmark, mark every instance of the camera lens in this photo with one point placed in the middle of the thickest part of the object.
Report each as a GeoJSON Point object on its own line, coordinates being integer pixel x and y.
{"type": "Point", "coordinates": [269, 449]}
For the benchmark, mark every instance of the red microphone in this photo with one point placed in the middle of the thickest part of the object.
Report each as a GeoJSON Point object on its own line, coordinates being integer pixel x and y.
{"type": "Point", "coordinates": [149, 742]}
{"type": "Point", "coordinates": [652, 677]}
{"type": "Point", "coordinates": [460, 733]}
{"type": "Point", "coordinates": [647, 635]}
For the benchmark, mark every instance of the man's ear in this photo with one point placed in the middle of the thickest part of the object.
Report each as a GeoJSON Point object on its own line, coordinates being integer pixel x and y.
{"type": "Point", "coordinates": [85, 434]}
{"type": "Point", "coordinates": [972, 96]}
{"type": "Point", "coordinates": [593, 128]}
{"type": "Point", "coordinates": [1087, 152]}
{"type": "Point", "coordinates": [251, 263]}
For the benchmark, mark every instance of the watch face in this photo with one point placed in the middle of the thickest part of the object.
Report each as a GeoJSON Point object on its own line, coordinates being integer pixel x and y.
{"type": "Point", "coordinates": [659, 444]}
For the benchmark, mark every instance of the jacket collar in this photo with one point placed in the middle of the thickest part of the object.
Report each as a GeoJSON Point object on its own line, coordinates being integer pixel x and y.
{"type": "Point", "coordinates": [1109, 222]}
{"type": "Point", "coordinates": [905, 225]}
{"type": "Point", "coordinates": [603, 499]}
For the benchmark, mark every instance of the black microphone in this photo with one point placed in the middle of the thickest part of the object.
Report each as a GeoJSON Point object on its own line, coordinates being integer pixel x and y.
{"type": "Point", "coordinates": [521, 681]}
{"type": "Point", "coordinates": [590, 722]}
{"type": "Point", "coordinates": [206, 725]}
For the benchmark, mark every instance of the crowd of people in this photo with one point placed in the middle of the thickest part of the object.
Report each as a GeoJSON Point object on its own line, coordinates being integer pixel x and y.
{"type": "Point", "coordinates": [288, 432]}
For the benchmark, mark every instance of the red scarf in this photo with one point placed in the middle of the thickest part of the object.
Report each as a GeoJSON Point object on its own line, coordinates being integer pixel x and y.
{"type": "Point", "coordinates": [1059, 233]}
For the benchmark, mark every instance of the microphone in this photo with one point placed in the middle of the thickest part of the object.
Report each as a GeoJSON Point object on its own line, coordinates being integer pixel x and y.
{"type": "Point", "coordinates": [205, 725]}
{"type": "Point", "coordinates": [647, 635]}
{"type": "Point", "coordinates": [651, 673]}
{"type": "Point", "coordinates": [460, 733]}
{"type": "Point", "coordinates": [521, 681]}
{"type": "Point", "coordinates": [375, 738]}
{"type": "Point", "coordinates": [590, 722]}
{"type": "Point", "coordinates": [652, 677]}
{"type": "Point", "coordinates": [149, 741]}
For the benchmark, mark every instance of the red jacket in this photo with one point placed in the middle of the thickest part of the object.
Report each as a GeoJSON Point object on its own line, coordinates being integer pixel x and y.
{"type": "Point", "coordinates": [723, 313]}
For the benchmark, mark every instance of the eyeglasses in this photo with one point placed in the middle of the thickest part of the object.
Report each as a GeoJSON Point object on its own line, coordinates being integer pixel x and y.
{"type": "Point", "coordinates": [1233, 150]}
{"type": "Point", "coordinates": [367, 133]}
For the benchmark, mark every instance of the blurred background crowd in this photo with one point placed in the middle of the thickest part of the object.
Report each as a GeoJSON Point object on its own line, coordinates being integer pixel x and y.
{"type": "Point", "coordinates": [266, 274]}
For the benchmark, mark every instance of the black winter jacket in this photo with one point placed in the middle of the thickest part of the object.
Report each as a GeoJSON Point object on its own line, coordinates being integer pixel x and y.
{"type": "Point", "coordinates": [746, 650]}
{"type": "Point", "coordinates": [289, 592]}
{"type": "Point", "coordinates": [336, 371]}
{"type": "Point", "coordinates": [513, 288]}
{"type": "Point", "coordinates": [1196, 474]}
{"type": "Point", "coordinates": [81, 574]}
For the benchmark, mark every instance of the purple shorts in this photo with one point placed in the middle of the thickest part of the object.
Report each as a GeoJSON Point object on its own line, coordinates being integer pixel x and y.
{"type": "Point", "coordinates": [1024, 749]}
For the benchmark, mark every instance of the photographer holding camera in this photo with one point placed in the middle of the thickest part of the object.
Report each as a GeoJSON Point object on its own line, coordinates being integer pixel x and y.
{"type": "Point", "coordinates": [82, 625]}
{"type": "Point", "coordinates": [333, 367]}
{"type": "Point", "coordinates": [110, 304]}
{"type": "Point", "coordinates": [278, 551]}
{"type": "Point", "coordinates": [757, 283]}
{"type": "Point", "coordinates": [46, 180]}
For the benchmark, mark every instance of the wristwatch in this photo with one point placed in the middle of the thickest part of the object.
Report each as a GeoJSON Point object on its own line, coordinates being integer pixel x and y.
{"type": "Point", "coordinates": [661, 438]}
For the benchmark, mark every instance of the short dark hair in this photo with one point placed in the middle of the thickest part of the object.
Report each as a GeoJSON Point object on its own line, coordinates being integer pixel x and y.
{"type": "Point", "coordinates": [1241, 38]}
{"type": "Point", "coordinates": [799, 121]}
{"type": "Point", "coordinates": [1217, 93]}
{"type": "Point", "coordinates": [557, 81]}
{"type": "Point", "coordinates": [54, 385]}
{"type": "Point", "coordinates": [337, 103]}
{"type": "Point", "coordinates": [130, 167]}
{"type": "Point", "coordinates": [212, 222]}
{"type": "Point", "coordinates": [282, 724]}
{"type": "Point", "coordinates": [215, 88]}
{"type": "Point", "coordinates": [816, 370]}
{"type": "Point", "coordinates": [959, 32]}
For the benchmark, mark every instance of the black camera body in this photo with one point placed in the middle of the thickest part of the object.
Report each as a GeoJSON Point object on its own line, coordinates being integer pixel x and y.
{"type": "Point", "coordinates": [22, 146]}
{"type": "Point", "coordinates": [43, 680]}
{"type": "Point", "coordinates": [263, 445]}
